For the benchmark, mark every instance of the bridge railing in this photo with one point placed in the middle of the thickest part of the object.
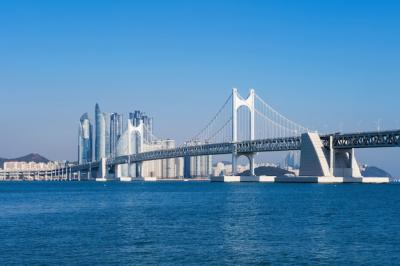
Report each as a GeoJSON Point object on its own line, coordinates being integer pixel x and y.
{"type": "Point", "coordinates": [377, 139]}
{"type": "Point", "coordinates": [340, 141]}
{"type": "Point", "coordinates": [198, 150]}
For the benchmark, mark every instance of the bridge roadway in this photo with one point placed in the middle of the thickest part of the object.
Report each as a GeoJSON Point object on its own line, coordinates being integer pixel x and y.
{"type": "Point", "coordinates": [340, 141]}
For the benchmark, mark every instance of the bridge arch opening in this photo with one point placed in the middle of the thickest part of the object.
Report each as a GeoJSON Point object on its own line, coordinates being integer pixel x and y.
{"type": "Point", "coordinates": [245, 164]}
{"type": "Point", "coordinates": [243, 123]}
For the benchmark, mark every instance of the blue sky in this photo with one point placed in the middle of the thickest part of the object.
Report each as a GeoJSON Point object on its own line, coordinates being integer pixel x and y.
{"type": "Point", "coordinates": [329, 65]}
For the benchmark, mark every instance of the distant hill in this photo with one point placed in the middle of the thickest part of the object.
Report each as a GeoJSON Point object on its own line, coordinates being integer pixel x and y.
{"type": "Point", "coordinates": [372, 171]}
{"type": "Point", "coordinates": [32, 157]}
{"type": "Point", "coordinates": [267, 170]}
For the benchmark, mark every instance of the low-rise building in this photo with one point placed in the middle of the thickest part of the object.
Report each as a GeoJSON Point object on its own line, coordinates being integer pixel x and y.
{"type": "Point", "coordinates": [32, 166]}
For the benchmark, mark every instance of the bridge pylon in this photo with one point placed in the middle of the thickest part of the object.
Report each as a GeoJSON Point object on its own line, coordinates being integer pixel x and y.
{"type": "Point", "coordinates": [124, 147]}
{"type": "Point", "coordinates": [249, 103]}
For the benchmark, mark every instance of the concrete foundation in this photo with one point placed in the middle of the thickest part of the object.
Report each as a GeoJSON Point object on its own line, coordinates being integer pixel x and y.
{"type": "Point", "coordinates": [149, 179]}
{"type": "Point", "coordinates": [229, 179]}
{"type": "Point", "coordinates": [309, 179]}
{"type": "Point", "coordinates": [301, 179]}
{"type": "Point", "coordinates": [375, 180]}
{"type": "Point", "coordinates": [235, 178]}
{"type": "Point", "coordinates": [125, 179]}
{"type": "Point", "coordinates": [267, 179]}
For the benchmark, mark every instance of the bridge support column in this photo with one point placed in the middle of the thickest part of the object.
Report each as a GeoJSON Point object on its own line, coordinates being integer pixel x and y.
{"type": "Point", "coordinates": [102, 171]}
{"type": "Point", "coordinates": [251, 163]}
{"type": "Point", "coordinates": [346, 164]}
{"type": "Point", "coordinates": [90, 172]}
{"type": "Point", "coordinates": [131, 169]}
{"type": "Point", "coordinates": [331, 156]}
{"type": "Point", "coordinates": [327, 165]}
{"type": "Point", "coordinates": [117, 171]}
{"type": "Point", "coordinates": [238, 102]}
{"type": "Point", "coordinates": [234, 164]}
{"type": "Point", "coordinates": [138, 169]}
{"type": "Point", "coordinates": [313, 160]}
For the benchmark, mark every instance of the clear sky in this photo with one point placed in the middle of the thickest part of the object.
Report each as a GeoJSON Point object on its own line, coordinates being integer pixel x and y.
{"type": "Point", "coordinates": [329, 65]}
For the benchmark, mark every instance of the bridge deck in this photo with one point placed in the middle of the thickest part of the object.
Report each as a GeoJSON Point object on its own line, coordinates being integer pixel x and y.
{"type": "Point", "coordinates": [340, 141]}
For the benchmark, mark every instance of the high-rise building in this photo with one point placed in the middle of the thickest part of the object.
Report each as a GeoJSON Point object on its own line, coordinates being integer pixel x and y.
{"type": "Point", "coordinates": [109, 129]}
{"type": "Point", "coordinates": [107, 134]}
{"type": "Point", "coordinates": [168, 165]}
{"type": "Point", "coordinates": [85, 140]}
{"type": "Point", "coordinates": [197, 166]}
{"type": "Point", "coordinates": [166, 168]}
{"type": "Point", "coordinates": [100, 142]}
{"type": "Point", "coordinates": [116, 129]}
{"type": "Point", "coordinates": [138, 116]}
{"type": "Point", "coordinates": [135, 117]}
{"type": "Point", "coordinates": [179, 167]}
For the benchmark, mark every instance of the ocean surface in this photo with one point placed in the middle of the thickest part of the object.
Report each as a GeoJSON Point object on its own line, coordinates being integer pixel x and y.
{"type": "Point", "coordinates": [198, 223]}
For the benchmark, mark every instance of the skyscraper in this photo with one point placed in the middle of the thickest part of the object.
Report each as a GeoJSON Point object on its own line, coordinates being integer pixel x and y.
{"type": "Point", "coordinates": [107, 134]}
{"type": "Point", "coordinates": [165, 168]}
{"type": "Point", "coordinates": [100, 142]}
{"type": "Point", "coordinates": [135, 117]}
{"type": "Point", "coordinates": [197, 166]}
{"type": "Point", "coordinates": [109, 128]}
{"type": "Point", "coordinates": [116, 129]}
{"type": "Point", "coordinates": [85, 140]}
{"type": "Point", "coordinates": [138, 116]}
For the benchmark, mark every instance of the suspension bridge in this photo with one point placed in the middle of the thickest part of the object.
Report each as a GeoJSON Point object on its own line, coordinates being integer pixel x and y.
{"type": "Point", "coordinates": [246, 127]}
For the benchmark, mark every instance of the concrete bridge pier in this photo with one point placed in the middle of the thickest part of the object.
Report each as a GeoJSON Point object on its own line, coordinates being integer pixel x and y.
{"type": "Point", "coordinates": [251, 163]}
{"type": "Point", "coordinates": [102, 171]}
{"type": "Point", "coordinates": [327, 165]}
{"type": "Point", "coordinates": [90, 171]}
{"type": "Point", "coordinates": [138, 170]}
{"type": "Point", "coordinates": [117, 171]}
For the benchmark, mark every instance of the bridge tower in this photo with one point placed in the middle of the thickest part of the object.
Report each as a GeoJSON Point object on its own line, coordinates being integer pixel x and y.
{"type": "Point", "coordinates": [124, 147]}
{"type": "Point", "coordinates": [237, 102]}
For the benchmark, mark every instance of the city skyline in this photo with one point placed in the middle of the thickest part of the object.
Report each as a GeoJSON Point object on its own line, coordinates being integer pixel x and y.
{"type": "Point", "coordinates": [349, 67]}
{"type": "Point", "coordinates": [113, 137]}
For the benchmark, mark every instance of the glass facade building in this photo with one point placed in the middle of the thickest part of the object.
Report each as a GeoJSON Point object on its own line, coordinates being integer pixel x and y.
{"type": "Point", "coordinates": [85, 140]}
{"type": "Point", "coordinates": [136, 117]}
{"type": "Point", "coordinates": [109, 128]}
{"type": "Point", "coordinates": [100, 142]}
{"type": "Point", "coordinates": [107, 134]}
{"type": "Point", "coordinates": [116, 129]}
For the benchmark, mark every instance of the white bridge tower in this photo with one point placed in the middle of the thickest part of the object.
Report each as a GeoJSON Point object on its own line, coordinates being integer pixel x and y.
{"type": "Point", "coordinates": [237, 102]}
{"type": "Point", "coordinates": [124, 147]}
